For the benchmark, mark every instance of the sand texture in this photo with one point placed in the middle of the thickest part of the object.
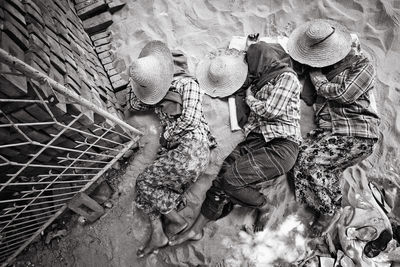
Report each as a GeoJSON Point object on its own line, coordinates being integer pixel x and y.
{"type": "Point", "coordinates": [198, 27]}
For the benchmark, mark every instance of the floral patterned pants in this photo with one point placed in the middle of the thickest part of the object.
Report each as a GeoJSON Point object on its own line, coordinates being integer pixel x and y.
{"type": "Point", "coordinates": [160, 187]}
{"type": "Point", "coordinates": [318, 170]}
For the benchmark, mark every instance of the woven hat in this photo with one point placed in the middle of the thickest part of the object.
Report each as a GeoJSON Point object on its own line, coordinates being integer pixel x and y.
{"type": "Point", "coordinates": [151, 74]}
{"type": "Point", "coordinates": [222, 73]}
{"type": "Point", "coordinates": [319, 43]}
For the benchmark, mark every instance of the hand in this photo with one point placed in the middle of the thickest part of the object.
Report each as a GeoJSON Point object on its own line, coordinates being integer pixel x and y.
{"type": "Point", "coordinates": [315, 72]}
{"type": "Point", "coordinates": [316, 75]}
{"type": "Point", "coordinates": [251, 39]}
{"type": "Point", "coordinates": [249, 92]}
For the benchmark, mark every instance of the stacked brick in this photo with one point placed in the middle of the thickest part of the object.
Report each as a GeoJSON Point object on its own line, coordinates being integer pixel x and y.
{"type": "Point", "coordinates": [97, 17]}
{"type": "Point", "coordinates": [50, 37]}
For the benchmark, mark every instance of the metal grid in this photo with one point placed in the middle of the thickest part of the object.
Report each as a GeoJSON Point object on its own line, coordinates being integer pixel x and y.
{"type": "Point", "coordinates": [45, 163]}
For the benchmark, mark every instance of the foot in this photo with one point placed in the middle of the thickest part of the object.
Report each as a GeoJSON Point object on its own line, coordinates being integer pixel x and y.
{"type": "Point", "coordinates": [176, 223]}
{"type": "Point", "coordinates": [262, 218]}
{"type": "Point", "coordinates": [194, 233]}
{"type": "Point", "coordinates": [157, 240]}
{"type": "Point", "coordinates": [189, 235]}
{"type": "Point", "coordinates": [174, 228]}
{"type": "Point", "coordinates": [153, 244]}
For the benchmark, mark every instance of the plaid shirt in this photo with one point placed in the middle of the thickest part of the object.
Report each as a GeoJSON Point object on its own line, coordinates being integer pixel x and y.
{"type": "Point", "coordinates": [347, 101]}
{"type": "Point", "coordinates": [190, 122]}
{"type": "Point", "coordinates": [275, 109]}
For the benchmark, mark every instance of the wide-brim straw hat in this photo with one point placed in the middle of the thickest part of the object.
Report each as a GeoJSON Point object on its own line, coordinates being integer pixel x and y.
{"type": "Point", "coordinates": [222, 73]}
{"type": "Point", "coordinates": [319, 43]}
{"type": "Point", "coordinates": [152, 73]}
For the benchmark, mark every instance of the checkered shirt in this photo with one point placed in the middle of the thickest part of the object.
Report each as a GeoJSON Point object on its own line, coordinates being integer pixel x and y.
{"type": "Point", "coordinates": [348, 101]}
{"type": "Point", "coordinates": [275, 109]}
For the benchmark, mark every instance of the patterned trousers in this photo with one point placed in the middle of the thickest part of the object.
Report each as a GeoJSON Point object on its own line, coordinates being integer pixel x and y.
{"type": "Point", "coordinates": [322, 159]}
{"type": "Point", "coordinates": [251, 163]}
{"type": "Point", "coordinates": [160, 187]}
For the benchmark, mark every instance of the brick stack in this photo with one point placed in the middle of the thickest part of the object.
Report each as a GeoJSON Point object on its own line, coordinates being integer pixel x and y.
{"type": "Point", "coordinates": [97, 17]}
{"type": "Point", "coordinates": [49, 36]}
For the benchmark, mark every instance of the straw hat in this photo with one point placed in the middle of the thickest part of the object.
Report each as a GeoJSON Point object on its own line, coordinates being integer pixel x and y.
{"type": "Point", "coordinates": [223, 73]}
{"type": "Point", "coordinates": [319, 43]}
{"type": "Point", "coordinates": [151, 74]}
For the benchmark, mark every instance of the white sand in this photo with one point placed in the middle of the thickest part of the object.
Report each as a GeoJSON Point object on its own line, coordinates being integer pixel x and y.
{"type": "Point", "coordinates": [198, 27]}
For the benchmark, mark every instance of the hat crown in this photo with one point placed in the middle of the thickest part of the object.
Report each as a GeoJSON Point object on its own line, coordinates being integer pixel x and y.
{"type": "Point", "coordinates": [142, 70]}
{"type": "Point", "coordinates": [217, 69]}
{"type": "Point", "coordinates": [319, 31]}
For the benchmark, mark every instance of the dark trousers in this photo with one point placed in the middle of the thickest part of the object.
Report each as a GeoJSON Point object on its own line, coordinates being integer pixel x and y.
{"type": "Point", "coordinates": [251, 163]}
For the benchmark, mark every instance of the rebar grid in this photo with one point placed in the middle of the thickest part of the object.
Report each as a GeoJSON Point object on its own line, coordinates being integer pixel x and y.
{"type": "Point", "coordinates": [39, 176]}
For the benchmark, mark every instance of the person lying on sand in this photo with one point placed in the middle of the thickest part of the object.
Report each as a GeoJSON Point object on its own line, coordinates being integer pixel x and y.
{"type": "Point", "coordinates": [185, 140]}
{"type": "Point", "coordinates": [270, 148]}
{"type": "Point", "coordinates": [347, 121]}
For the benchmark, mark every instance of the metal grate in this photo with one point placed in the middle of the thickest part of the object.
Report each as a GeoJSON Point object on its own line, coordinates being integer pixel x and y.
{"type": "Point", "coordinates": [47, 157]}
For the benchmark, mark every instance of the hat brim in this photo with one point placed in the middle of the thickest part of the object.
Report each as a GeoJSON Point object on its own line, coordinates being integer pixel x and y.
{"type": "Point", "coordinates": [237, 77]}
{"type": "Point", "coordinates": [324, 54]}
{"type": "Point", "coordinates": [164, 73]}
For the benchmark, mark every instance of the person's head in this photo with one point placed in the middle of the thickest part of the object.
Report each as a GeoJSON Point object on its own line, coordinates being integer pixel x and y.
{"type": "Point", "coordinates": [222, 73]}
{"type": "Point", "coordinates": [319, 43]}
{"type": "Point", "coordinates": [266, 62]}
{"type": "Point", "coordinates": [152, 73]}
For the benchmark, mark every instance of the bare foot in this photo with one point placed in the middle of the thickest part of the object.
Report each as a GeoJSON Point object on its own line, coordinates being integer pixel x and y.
{"type": "Point", "coordinates": [262, 218]}
{"type": "Point", "coordinates": [157, 240]}
{"type": "Point", "coordinates": [174, 228]}
{"type": "Point", "coordinates": [194, 233]}
{"type": "Point", "coordinates": [189, 235]}
{"type": "Point", "coordinates": [176, 223]}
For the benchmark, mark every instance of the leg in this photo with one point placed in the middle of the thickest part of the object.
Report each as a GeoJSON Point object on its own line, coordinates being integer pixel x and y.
{"type": "Point", "coordinates": [317, 173]}
{"type": "Point", "coordinates": [324, 223]}
{"type": "Point", "coordinates": [159, 188]}
{"type": "Point", "coordinates": [176, 223]}
{"type": "Point", "coordinates": [211, 210]}
{"type": "Point", "coordinates": [195, 232]}
{"type": "Point", "coordinates": [259, 165]}
{"type": "Point", "coordinates": [262, 216]}
{"type": "Point", "coordinates": [157, 239]}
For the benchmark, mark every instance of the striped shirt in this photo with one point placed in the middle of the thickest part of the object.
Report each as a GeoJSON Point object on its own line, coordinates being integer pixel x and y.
{"type": "Point", "coordinates": [191, 122]}
{"type": "Point", "coordinates": [275, 109]}
{"type": "Point", "coordinates": [347, 102]}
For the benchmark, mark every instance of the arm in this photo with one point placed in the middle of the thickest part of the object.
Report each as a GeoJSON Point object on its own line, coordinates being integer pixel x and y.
{"type": "Point", "coordinates": [191, 111]}
{"type": "Point", "coordinates": [275, 103]}
{"type": "Point", "coordinates": [357, 82]}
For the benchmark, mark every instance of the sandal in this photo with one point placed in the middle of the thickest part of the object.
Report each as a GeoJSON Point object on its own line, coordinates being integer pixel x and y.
{"type": "Point", "coordinates": [375, 247]}
{"type": "Point", "coordinates": [379, 196]}
{"type": "Point", "coordinates": [364, 233]}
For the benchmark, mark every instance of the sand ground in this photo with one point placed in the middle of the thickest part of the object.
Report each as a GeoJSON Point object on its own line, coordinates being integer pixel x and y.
{"type": "Point", "coordinates": [198, 27]}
